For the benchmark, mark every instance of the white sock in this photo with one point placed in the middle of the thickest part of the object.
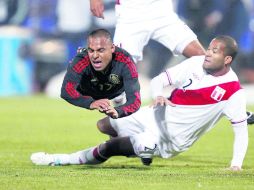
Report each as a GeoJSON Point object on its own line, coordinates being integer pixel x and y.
{"type": "Point", "coordinates": [61, 159]}
{"type": "Point", "coordinates": [81, 157]}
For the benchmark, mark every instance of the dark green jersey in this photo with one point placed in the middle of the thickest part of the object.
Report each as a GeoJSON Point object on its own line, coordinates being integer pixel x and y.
{"type": "Point", "coordinates": [82, 84]}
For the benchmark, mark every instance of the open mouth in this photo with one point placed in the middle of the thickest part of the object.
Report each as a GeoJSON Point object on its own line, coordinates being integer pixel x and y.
{"type": "Point", "coordinates": [97, 64]}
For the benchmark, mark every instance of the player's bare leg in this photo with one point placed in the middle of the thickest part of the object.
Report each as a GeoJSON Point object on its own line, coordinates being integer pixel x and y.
{"type": "Point", "coordinates": [105, 127]}
{"type": "Point", "coordinates": [194, 48]}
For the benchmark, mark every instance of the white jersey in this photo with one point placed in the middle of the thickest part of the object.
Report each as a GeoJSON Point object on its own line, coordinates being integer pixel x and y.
{"type": "Point", "coordinates": [200, 98]}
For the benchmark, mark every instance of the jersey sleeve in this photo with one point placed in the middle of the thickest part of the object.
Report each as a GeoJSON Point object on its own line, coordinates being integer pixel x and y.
{"type": "Point", "coordinates": [158, 83]}
{"type": "Point", "coordinates": [235, 111]}
{"type": "Point", "coordinates": [132, 90]}
{"type": "Point", "coordinates": [178, 74]}
{"type": "Point", "coordinates": [72, 80]}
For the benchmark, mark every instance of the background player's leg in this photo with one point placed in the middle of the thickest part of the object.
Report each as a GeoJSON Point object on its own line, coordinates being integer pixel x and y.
{"type": "Point", "coordinates": [194, 48]}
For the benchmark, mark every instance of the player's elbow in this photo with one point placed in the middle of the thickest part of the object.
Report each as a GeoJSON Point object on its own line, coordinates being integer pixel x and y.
{"type": "Point", "coordinates": [64, 95]}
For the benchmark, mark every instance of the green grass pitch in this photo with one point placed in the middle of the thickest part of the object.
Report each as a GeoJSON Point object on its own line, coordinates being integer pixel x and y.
{"type": "Point", "coordinates": [32, 124]}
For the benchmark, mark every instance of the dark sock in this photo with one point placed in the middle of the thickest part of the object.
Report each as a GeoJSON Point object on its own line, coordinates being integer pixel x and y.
{"type": "Point", "coordinates": [120, 146]}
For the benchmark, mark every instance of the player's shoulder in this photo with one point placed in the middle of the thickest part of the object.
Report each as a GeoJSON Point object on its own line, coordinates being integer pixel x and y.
{"type": "Point", "coordinates": [80, 61]}
{"type": "Point", "coordinates": [198, 58]}
{"type": "Point", "coordinates": [122, 56]}
{"type": "Point", "coordinates": [231, 75]}
{"type": "Point", "coordinates": [81, 50]}
{"type": "Point", "coordinates": [119, 50]}
{"type": "Point", "coordinates": [194, 61]}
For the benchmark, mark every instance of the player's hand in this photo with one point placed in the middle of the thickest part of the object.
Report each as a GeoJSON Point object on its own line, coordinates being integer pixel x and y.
{"type": "Point", "coordinates": [235, 168]}
{"type": "Point", "coordinates": [161, 101]}
{"type": "Point", "coordinates": [111, 112]}
{"type": "Point", "coordinates": [102, 105]}
{"type": "Point", "coordinates": [97, 8]}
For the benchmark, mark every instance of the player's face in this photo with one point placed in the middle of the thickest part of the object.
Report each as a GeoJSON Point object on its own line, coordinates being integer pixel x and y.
{"type": "Point", "coordinates": [216, 63]}
{"type": "Point", "coordinates": [100, 51]}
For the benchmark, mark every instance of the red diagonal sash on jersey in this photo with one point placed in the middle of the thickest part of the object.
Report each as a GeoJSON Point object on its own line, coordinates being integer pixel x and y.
{"type": "Point", "coordinates": [203, 96]}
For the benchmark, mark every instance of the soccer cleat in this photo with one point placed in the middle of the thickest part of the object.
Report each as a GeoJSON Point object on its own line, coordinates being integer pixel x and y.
{"type": "Point", "coordinates": [250, 119]}
{"type": "Point", "coordinates": [146, 155]}
{"type": "Point", "coordinates": [43, 159]}
{"type": "Point", "coordinates": [146, 161]}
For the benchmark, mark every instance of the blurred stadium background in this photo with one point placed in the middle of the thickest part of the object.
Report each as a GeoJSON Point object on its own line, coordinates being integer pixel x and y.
{"type": "Point", "coordinates": [39, 37]}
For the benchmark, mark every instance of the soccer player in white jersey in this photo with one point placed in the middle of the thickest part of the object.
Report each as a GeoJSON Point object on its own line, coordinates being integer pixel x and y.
{"type": "Point", "coordinates": [206, 88]}
{"type": "Point", "coordinates": [138, 21]}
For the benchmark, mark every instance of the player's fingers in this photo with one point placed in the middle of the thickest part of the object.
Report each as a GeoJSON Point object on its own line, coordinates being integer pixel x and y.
{"type": "Point", "coordinates": [104, 108]}
{"type": "Point", "coordinates": [101, 111]}
{"type": "Point", "coordinates": [115, 116]}
{"type": "Point", "coordinates": [162, 103]}
{"type": "Point", "coordinates": [235, 168]}
{"type": "Point", "coordinates": [100, 14]}
{"type": "Point", "coordinates": [156, 103]}
{"type": "Point", "coordinates": [98, 11]}
{"type": "Point", "coordinates": [94, 12]}
{"type": "Point", "coordinates": [105, 102]}
{"type": "Point", "coordinates": [112, 114]}
{"type": "Point", "coordinates": [170, 103]}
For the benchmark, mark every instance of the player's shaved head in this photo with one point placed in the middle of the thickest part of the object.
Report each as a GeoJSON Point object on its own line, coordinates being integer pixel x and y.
{"type": "Point", "coordinates": [101, 33]}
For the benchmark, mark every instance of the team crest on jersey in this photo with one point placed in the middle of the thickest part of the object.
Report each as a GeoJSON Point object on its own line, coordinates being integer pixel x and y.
{"type": "Point", "coordinates": [218, 93]}
{"type": "Point", "coordinates": [114, 79]}
{"type": "Point", "coordinates": [94, 81]}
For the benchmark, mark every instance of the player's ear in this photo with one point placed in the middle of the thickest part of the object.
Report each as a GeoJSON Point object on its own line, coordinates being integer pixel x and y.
{"type": "Point", "coordinates": [228, 59]}
{"type": "Point", "coordinates": [113, 48]}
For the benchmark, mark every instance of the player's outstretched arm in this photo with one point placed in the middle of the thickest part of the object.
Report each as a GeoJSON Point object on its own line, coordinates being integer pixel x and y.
{"type": "Point", "coordinates": [240, 147]}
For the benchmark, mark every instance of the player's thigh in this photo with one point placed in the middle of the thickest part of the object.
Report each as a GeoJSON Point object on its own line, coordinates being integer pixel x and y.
{"type": "Point", "coordinates": [138, 122]}
{"type": "Point", "coordinates": [132, 39]}
{"type": "Point", "coordinates": [175, 36]}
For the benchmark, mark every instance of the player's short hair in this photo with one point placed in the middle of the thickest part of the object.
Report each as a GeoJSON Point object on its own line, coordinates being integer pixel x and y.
{"type": "Point", "coordinates": [101, 33]}
{"type": "Point", "coordinates": [231, 47]}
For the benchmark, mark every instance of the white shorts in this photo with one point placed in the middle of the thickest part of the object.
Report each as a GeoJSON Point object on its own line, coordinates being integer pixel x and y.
{"type": "Point", "coordinates": [135, 123]}
{"type": "Point", "coordinates": [145, 130]}
{"type": "Point", "coordinates": [140, 126]}
{"type": "Point", "coordinates": [133, 36]}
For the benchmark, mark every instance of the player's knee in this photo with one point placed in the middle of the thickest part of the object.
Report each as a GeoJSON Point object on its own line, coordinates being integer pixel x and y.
{"type": "Point", "coordinates": [105, 127]}
{"type": "Point", "coordinates": [101, 126]}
